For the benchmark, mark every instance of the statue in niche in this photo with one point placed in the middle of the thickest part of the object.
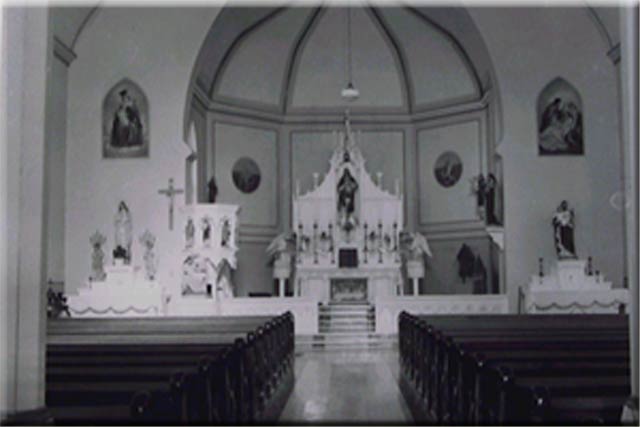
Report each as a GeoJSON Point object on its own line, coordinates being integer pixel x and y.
{"type": "Point", "coordinates": [563, 228]}
{"type": "Point", "coordinates": [490, 199]}
{"type": "Point", "coordinates": [123, 239]}
{"type": "Point", "coordinates": [212, 190]}
{"type": "Point", "coordinates": [148, 241]}
{"type": "Point", "coordinates": [225, 233]}
{"type": "Point", "coordinates": [97, 257]}
{"type": "Point", "coordinates": [347, 187]}
{"type": "Point", "coordinates": [206, 231]}
{"type": "Point", "coordinates": [190, 232]}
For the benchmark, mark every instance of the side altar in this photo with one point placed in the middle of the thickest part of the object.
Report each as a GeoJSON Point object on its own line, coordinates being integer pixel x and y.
{"type": "Point", "coordinates": [346, 231]}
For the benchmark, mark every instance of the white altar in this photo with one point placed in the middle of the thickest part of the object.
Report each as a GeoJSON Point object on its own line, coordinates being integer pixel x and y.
{"type": "Point", "coordinates": [347, 231]}
{"type": "Point", "coordinates": [571, 288]}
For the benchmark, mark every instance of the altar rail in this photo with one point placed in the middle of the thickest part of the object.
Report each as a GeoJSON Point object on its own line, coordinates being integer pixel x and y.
{"type": "Point", "coordinates": [388, 309]}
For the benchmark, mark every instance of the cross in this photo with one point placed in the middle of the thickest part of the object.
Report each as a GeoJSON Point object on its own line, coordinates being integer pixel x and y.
{"type": "Point", "coordinates": [170, 193]}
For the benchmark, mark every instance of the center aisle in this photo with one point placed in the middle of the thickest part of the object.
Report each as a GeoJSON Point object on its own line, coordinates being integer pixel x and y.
{"type": "Point", "coordinates": [347, 387]}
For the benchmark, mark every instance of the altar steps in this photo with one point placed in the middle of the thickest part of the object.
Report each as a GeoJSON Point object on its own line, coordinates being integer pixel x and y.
{"type": "Point", "coordinates": [345, 326]}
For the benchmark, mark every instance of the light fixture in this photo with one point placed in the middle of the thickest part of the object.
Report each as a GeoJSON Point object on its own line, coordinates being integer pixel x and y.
{"type": "Point", "coordinates": [349, 93]}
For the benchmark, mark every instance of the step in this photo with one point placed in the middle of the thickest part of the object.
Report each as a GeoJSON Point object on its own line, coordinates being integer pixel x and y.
{"type": "Point", "coordinates": [364, 328]}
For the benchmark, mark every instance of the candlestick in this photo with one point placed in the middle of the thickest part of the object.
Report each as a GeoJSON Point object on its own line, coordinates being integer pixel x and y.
{"type": "Point", "coordinates": [380, 242]}
{"type": "Point", "coordinates": [331, 248]}
{"type": "Point", "coordinates": [315, 242]}
{"type": "Point", "coordinates": [379, 176]}
{"type": "Point", "coordinates": [366, 241]}
{"type": "Point", "coordinates": [315, 180]}
{"type": "Point", "coordinates": [540, 269]}
{"type": "Point", "coordinates": [397, 187]}
{"type": "Point", "coordinates": [589, 267]}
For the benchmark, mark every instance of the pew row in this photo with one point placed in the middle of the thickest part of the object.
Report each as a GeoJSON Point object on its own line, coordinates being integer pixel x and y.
{"type": "Point", "coordinates": [505, 369]}
{"type": "Point", "coordinates": [233, 372]}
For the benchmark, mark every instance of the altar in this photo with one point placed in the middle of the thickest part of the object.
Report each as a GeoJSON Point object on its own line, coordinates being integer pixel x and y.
{"type": "Point", "coordinates": [347, 231]}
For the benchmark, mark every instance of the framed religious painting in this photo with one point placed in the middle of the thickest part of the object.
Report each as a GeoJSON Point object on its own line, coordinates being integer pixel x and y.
{"type": "Point", "coordinates": [246, 175]}
{"type": "Point", "coordinates": [125, 122]}
{"type": "Point", "coordinates": [448, 169]}
{"type": "Point", "coordinates": [559, 114]}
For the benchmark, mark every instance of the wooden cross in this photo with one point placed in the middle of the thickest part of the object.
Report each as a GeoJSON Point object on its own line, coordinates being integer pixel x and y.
{"type": "Point", "coordinates": [170, 193]}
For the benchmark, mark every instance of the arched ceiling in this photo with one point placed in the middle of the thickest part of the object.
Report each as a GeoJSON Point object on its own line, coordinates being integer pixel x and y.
{"type": "Point", "coordinates": [294, 60]}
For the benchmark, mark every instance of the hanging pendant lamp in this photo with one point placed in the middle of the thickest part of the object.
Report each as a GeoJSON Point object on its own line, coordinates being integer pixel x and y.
{"type": "Point", "coordinates": [349, 93]}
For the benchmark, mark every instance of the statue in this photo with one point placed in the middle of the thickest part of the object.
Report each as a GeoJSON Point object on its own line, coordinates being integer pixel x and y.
{"type": "Point", "coordinates": [226, 233]}
{"type": "Point", "coordinates": [415, 245]}
{"type": "Point", "coordinates": [148, 240]}
{"type": "Point", "coordinates": [212, 190]}
{"type": "Point", "coordinates": [282, 244]}
{"type": "Point", "coordinates": [190, 232]}
{"type": "Point", "coordinates": [97, 257]}
{"type": "Point", "coordinates": [490, 199]}
{"type": "Point", "coordinates": [347, 187]}
{"type": "Point", "coordinates": [479, 189]}
{"type": "Point", "coordinates": [206, 231]}
{"type": "Point", "coordinates": [563, 231]}
{"type": "Point", "coordinates": [123, 234]}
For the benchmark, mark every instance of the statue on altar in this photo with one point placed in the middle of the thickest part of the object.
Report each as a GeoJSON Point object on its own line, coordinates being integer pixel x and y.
{"type": "Point", "coordinates": [123, 230]}
{"type": "Point", "coordinates": [347, 187]}
{"type": "Point", "coordinates": [415, 245]}
{"type": "Point", "coordinates": [563, 228]}
{"type": "Point", "coordinates": [148, 241]}
{"type": "Point", "coordinates": [97, 257]}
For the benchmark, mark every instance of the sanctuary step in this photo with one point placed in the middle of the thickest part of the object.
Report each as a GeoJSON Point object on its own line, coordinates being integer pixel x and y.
{"type": "Point", "coordinates": [346, 326]}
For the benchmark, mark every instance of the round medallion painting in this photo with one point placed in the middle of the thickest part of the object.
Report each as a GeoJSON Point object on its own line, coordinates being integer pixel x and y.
{"type": "Point", "coordinates": [448, 169]}
{"type": "Point", "coordinates": [246, 175]}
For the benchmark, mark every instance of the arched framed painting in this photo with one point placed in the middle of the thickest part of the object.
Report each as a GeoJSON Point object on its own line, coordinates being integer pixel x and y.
{"type": "Point", "coordinates": [125, 122]}
{"type": "Point", "coordinates": [560, 128]}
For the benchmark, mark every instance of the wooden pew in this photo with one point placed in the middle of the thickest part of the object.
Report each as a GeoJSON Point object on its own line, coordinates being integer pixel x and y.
{"type": "Point", "coordinates": [157, 382]}
{"type": "Point", "coordinates": [446, 389]}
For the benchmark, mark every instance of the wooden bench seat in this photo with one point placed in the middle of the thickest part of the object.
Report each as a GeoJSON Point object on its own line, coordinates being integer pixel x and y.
{"type": "Point", "coordinates": [508, 368]}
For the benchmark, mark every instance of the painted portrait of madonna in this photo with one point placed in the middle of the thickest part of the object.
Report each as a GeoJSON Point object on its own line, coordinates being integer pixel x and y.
{"type": "Point", "coordinates": [125, 122]}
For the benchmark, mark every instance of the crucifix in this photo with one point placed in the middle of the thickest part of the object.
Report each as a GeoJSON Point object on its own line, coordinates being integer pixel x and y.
{"type": "Point", "coordinates": [170, 193]}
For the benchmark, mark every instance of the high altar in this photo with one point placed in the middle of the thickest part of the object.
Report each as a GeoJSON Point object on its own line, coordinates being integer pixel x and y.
{"type": "Point", "coordinates": [347, 231]}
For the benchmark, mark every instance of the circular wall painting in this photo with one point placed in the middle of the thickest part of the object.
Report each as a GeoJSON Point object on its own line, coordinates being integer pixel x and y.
{"type": "Point", "coordinates": [448, 169]}
{"type": "Point", "coordinates": [246, 175]}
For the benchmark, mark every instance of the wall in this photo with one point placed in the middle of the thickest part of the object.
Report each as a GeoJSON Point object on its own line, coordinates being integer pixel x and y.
{"type": "Point", "coordinates": [518, 41]}
{"type": "Point", "coordinates": [56, 153]}
{"type": "Point", "coordinates": [545, 43]}
{"type": "Point", "coordinates": [156, 48]}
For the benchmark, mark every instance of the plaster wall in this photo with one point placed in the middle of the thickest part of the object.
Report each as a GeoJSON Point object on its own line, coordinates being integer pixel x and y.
{"type": "Point", "coordinates": [156, 48]}
{"type": "Point", "coordinates": [529, 48]}
{"type": "Point", "coordinates": [56, 152]}
{"type": "Point", "coordinates": [542, 44]}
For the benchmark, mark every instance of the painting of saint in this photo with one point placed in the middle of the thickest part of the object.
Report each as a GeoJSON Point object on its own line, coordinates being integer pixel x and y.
{"type": "Point", "coordinates": [125, 120]}
{"type": "Point", "coordinates": [246, 175]}
{"type": "Point", "coordinates": [560, 120]}
{"type": "Point", "coordinates": [448, 169]}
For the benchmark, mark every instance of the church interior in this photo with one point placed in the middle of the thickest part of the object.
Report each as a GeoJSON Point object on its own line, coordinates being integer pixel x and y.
{"type": "Point", "coordinates": [319, 214]}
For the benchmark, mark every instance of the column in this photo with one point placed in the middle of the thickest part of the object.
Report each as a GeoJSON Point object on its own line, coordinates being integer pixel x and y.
{"type": "Point", "coordinates": [629, 100]}
{"type": "Point", "coordinates": [26, 42]}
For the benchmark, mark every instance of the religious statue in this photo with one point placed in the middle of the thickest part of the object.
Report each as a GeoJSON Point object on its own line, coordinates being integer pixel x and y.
{"type": "Point", "coordinates": [206, 231]}
{"type": "Point", "coordinates": [148, 240]}
{"type": "Point", "coordinates": [563, 231]}
{"type": "Point", "coordinates": [347, 187]}
{"type": "Point", "coordinates": [190, 232]}
{"type": "Point", "coordinates": [490, 199]}
{"type": "Point", "coordinates": [97, 257]}
{"type": "Point", "coordinates": [212, 190]}
{"type": "Point", "coordinates": [479, 189]}
{"type": "Point", "coordinates": [226, 233]}
{"type": "Point", "coordinates": [415, 245]}
{"type": "Point", "coordinates": [282, 244]}
{"type": "Point", "coordinates": [123, 234]}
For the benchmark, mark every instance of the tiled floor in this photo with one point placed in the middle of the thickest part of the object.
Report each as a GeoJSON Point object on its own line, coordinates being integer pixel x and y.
{"type": "Point", "coordinates": [346, 387]}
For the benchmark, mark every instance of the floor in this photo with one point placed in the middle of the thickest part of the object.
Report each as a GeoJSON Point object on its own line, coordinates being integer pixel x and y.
{"type": "Point", "coordinates": [346, 387]}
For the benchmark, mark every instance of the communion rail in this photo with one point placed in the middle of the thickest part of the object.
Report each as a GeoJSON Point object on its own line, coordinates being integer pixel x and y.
{"type": "Point", "coordinates": [222, 370]}
{"type": "Point", "coordinates": [506, 369]}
